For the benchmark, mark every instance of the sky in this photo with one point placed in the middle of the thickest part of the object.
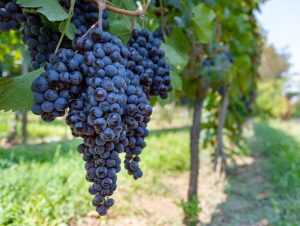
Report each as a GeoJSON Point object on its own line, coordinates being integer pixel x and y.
{"type": "Point", "coordinates": [281, 21]}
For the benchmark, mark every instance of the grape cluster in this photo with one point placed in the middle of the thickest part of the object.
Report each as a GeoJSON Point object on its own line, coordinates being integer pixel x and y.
{"type": "Point", "coordinates": [137, 115]}
{"type": "Point", "coordinates": [138, 109]}
{"type": "Point", "coordinates": [40, 40]}
{"type": "Point", "coordinates": [58, 85]}
{"type": "Point", "coordinates": [155, 79]}
{"type": "Point", "coordinates": [106, 86]}
{"type": "Point", "coordinates": [149, 75]}
{"type": "Point", "coordinates": [97, 116]}
{"type": "Point", "coordinates": [11, 15]}
{"type": "Point", "coordinates": [85, 15]}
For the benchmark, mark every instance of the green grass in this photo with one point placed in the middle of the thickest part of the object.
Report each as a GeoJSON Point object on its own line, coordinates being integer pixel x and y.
{"type": "Point", "coordinates": [281, 148]}
{"type": "Point", "coordinates": [37, 130]}
{"type": "Point", "coordinates": [41, 184]}
{"type": "Point", "coordinates": [45, 184]}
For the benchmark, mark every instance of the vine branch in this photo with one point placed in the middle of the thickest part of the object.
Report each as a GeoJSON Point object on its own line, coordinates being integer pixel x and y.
{"type": "Point", "coordinates": [138, 12]}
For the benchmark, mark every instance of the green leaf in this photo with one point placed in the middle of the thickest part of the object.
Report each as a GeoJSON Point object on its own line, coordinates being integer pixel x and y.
{"type": "Point", "coordinates": [176, 80]}
{"type": "Point", "coordinates": [202, 22]}
{"type": "Point", "coordinates": [49, 8]}
{"type": "Point", "coordinates": [70, 31]}
{"type": "Point", "coordinates": [4, 82]}
{"type": "Point", "coordinates": [15, 93]}
{"type": "Point", "coordinates": [52, 25]}
{"type": "Point", "coordinates": [120, 28]}
{"type": "Point", "coordinates": [176, 48]}
{"type": "Point", "coordinates": [174, 56]}
{"type": "Point", "coordinates": [179, 40]}
{"type": "Point", "coordinates": [153, 100]}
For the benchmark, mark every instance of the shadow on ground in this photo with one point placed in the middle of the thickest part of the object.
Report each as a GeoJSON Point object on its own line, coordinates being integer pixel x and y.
{"type": "Point", "coordinates": [261, 193]}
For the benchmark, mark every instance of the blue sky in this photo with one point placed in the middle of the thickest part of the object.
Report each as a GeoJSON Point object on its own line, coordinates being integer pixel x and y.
{"type": "Point", "coordinates": [281, 20]}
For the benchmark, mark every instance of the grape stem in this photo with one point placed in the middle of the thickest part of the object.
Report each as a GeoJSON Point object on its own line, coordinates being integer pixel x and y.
{"type": "Point", "coordinates": [92, 27]}
{"type": "Point", "coordinates": [70, 14]}
{"type": "Point", "coordinates": [164, 26]}
{"type": "Point", "coordinates": [138, 12]}
{"type": "Point", "coordinates": [102, 6]}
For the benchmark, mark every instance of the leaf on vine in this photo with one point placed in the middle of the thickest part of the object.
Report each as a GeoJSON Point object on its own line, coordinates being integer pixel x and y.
{"type": "Point", "coordinates": [176, 80]}
{"type": "Point", "coordinates": [120, 28]}
{"type": "Point", "coordinates": [15, 93]}
{"type": "Point", "coordinates": [176, 48]}
{"type": "Point", "coordinates": [71, 29]}
{"type": "Point", "coordinates": [49, 8]}
{"type": "Point", "coordinates": [203, 22]}
{"type": "Point", "coordinates": [4, 82]}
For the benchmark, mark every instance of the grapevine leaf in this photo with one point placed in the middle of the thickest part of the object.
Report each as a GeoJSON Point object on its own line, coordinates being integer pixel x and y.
{"type": "Point", "coordinates": [15, 93]}
{"type": "Point", "coordinates": [120, 28]}
{"type": "Point", "coordinates": [176, 48]}
{"type": "Point", "coordinates": [4, 82]}
{"type": "Point", "coordinates": [176, 80]}
{"type": "Point", "coordinates": [178, 39]}
{"type": "Point", "coordinates": [153, 100]}
{"type": "Point", "coordinates": [49, 8]}
{"type": "Point", "coordinates": [203, 22]}
{"type": "Point", "coordinates": [70, 31]}
{"type": "Point", "coordinates": [52, 25]}
{"type": "Point", "coordinates": [174, 56]}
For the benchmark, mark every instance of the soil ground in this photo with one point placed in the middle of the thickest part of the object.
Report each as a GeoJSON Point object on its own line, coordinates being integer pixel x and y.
{"type": "Point", "coordinates": [233, 200]}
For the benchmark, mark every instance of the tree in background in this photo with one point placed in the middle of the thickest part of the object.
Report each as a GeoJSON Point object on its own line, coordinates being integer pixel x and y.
{"type": "Point", "coordinates": [272, 70]}
{"type": "Point", "coordinates": [273, 64]}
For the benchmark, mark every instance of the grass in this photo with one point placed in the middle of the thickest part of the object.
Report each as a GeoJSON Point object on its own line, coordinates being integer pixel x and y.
{"type": "Point", "coordinates": [41, 184]}
{"type": "Point", "coordinates": [282, 150]}
{"type": "Point", "coordinates": [44, 184]}
{"type": "Point", "coordinates": [37, 130]}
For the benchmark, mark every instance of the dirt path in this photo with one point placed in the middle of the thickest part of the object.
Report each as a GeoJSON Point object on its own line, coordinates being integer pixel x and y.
{"type": "Point", "coordinates": [239, 200]}
{"type": "Point", "coordinates": [247, 202]}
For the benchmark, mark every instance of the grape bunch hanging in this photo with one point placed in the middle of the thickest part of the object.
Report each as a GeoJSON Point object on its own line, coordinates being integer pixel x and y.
{"type": "Point", "coordinates": [102, 85]}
